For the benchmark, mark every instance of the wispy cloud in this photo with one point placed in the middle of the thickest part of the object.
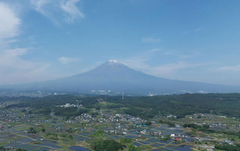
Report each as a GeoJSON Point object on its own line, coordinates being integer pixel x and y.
{"type": "Point", "coordinates": [72, 13]}
{"type": "Point", "coordinates": [197, 30]}
{"type": "Point", "coordinates": [150, 40]}
{"type": "Point", "coordinates": [39, 5]}
{"type": "Point", "coordinates": [68, 10]}
{"type": "Point", "coordinates": [14, 69]}
{"type": "Point", "coordinates": [181, 56]}
{"type": "Point", "coordinates": [10, 60]}
{"type": "Point", "coordinates": [46, 8]}
{"type": "Point", "coordinates": [165, 70]}
{"type": "Point", "coordinates": [67, 60]}
{"type": "Point", "coordinates": [138, 62]}
{"type": "Point", "coordinates": [229, 68]}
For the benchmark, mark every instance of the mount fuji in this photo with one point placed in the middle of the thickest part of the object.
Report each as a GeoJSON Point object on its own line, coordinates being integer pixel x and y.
{"type": "Point", "coordinates": [117, 77]}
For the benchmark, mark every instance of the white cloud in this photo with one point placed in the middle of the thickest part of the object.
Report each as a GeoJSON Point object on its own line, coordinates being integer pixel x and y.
{"type": "Point", "coordinates": [164, 70]}
{"type": "Point", "coordinates": [186, 32]}
{"type": "Point", "coordinates": [178, 55]}
{"type": "Point", "coordinates": [72, 13]}
{"type": "Point", "coordinates": [138, 62]}
{"type": "Point", "coordinates": [9, 60]}
{"type": "Point", "coordinates": [197, 30]}
{"type": "Point", "coordinates": [12, 41]}
{"type": "Point", "coordinates": [229, 68]}
{"type": "Point", "coordinates": [13, 68]}
{"type": "Point", "coordinates": [66, 60]}
{"type": "Point", "coordinates": [167, 70]}
{"type": "Point", "coordinates": [150, 40]}
{"type": "Point", "coordinates": [45, 7]}
{"type": "Point", "coordinates": [9, 22]}
{"type": "Point", "coordinates": [67, 9]}
{"type": "Point", "coordinates": [39, 5]}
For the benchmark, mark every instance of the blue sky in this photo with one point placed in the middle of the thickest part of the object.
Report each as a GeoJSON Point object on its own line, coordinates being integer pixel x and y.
{"type": "Point", "coordinates": [191, 40]}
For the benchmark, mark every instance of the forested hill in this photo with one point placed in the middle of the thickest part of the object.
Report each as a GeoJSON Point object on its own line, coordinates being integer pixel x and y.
{"type": "Point", "coordinates": [181, 105]}
{"type": "Point", "coordinates": [145, 107]}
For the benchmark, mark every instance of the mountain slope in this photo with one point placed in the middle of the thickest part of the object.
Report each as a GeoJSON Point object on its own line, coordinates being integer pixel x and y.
{"type": "Point", "coordinates": [117, 77]}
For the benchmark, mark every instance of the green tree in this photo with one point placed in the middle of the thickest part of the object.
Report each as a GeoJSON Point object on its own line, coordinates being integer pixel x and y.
{"type": "Point", "coordinates": [70, 130]}
{"type": "Point", "coordinates": [43, 130]}
{"type": "Point", "coordinates": [131, 147]}
{"type": "Point", "coordinates": [105, 145]}
{"type": "Point", "coordinates": [99, 133]}
{"type": "Point", "coordinates": [193, 132]}
{"type": "Point", "coordinates": [125, 141]}
{"type": "Point", "coordinates": [70, 137]}
{"type": "Point", "coordinates": [161, 121]}
{"type": "Point", "coordinates": [2, 148]}
{"type": "Point", "coordinates": [20, 149]}
{"type": "Point", "coordinates": [148, 123]}
{"type": "Point", "coordinates": [32, 130]}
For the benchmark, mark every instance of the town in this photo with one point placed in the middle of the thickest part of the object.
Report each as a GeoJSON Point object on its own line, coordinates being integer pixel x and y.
{"type": "Point", "coordinates": [22, 128]}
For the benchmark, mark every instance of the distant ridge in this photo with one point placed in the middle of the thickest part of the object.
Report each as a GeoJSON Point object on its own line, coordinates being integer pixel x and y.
{"type": "Point", "coordinates": [113, 76]}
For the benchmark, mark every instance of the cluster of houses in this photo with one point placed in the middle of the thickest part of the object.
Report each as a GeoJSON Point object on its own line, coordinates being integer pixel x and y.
{"type": "Point", "coordinates": [70, 105]}
{"type": "Point", "coordinates": [115, 131]}
{"type": "Point", "coordinates": [238, 127]}
{"type": "Point", "coordinates": [84, 118]}
{"type": "Point", "coordinates": [19, 94]}
{"type": "Point", "coordinates": [13, 116]}
{"type": "Point", "coordinates": [124, 118]}
{"type": "Point", "coordinates": [171, 116]}
{"type": "Point", "coordinates": [229, 142]}
{"type": "Point", "coordinates": [216, 125]}
{"type": "Point", "coordinates": [150, 132]}
{"type": "Point", "coordinates": [110, 118]}
{"type": "Point", "coordinates": [199, 115]}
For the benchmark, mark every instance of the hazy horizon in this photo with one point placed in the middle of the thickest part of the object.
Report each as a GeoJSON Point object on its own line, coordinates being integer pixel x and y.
{"type": "Point", "coordinates": [181, 40]}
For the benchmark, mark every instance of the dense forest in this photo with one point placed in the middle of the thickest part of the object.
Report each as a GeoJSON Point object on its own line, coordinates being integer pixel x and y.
{"type": "Point", "coordinates": [145, 107]}
{"type": "Point", "coordinates": [185, 104]}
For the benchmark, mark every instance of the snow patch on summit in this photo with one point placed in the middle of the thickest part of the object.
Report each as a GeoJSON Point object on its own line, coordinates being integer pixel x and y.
{"type": "Point", "coordinates": [112, 63]}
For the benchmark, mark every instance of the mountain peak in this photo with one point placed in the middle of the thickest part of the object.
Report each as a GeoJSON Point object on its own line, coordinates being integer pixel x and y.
{"type": "Point", "coordinates": [113, 63]}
